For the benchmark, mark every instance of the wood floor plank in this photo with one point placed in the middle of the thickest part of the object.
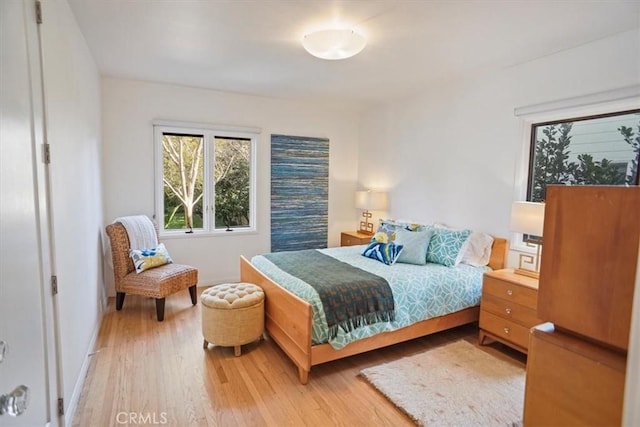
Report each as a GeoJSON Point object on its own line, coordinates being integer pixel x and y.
{"type": "Point", "coordinates": [158, 372]}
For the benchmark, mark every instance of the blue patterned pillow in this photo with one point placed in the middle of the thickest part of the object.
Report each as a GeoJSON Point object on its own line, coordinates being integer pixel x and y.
{"type": "Point", "coordinates": [144, 259]}
{"type": "Point", "coordinates": [386, 253]}
{"type": "Point", "coordinates": [415, 245]}
{"type": "Point", "coordinates": [445, 246]}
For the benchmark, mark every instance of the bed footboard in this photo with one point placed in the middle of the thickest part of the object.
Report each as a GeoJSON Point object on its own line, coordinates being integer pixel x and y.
{"type": "Point", "coordinates": [287, 318]}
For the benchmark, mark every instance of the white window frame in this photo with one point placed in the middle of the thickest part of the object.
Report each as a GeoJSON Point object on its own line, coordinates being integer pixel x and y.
{"type": "Point", "coordinates": [626, 98]}
{"type": "Point", "coordinates": [210, 132]}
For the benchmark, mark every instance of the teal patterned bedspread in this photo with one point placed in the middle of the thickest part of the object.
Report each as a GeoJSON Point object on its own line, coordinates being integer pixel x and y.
{"type": "Point", "coordinates": [419, 292]}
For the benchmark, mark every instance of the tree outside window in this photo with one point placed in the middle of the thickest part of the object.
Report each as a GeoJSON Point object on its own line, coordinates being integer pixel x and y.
{"type": "Point", "coordinates": [596, 150]}
{"type": "Point", "coordinates": [206, 180]}
{"type": "Point", "coordinates": [232, 171]}
{"type": "Point", "coordinates": [183, 173]}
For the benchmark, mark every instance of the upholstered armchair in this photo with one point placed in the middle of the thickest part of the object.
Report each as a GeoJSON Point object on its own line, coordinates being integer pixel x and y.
{"type": "Point", "coordinates": [158, 282]}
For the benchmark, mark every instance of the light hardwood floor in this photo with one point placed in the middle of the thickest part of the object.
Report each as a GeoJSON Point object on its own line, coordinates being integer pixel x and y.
{"type": "Point", "coordinates": [145, 372]}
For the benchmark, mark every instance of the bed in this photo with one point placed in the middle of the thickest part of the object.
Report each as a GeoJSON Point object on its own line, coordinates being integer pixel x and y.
{"type": "Point", "coordinates": [289, 318]}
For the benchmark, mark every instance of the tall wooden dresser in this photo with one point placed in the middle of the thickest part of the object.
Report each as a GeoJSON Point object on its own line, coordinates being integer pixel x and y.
{"type": "Point", "coordinates": [576, 364]}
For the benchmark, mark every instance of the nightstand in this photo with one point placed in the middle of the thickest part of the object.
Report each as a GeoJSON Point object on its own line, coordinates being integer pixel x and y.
{"type": "Point", "coordinates": [351, 238]}
{"type": "Point", "coordinates": [508, 309]}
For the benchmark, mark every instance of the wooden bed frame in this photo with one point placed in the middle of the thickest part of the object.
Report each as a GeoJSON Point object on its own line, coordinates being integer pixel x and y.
{"type": "Point", "coordinates": [288, 320]}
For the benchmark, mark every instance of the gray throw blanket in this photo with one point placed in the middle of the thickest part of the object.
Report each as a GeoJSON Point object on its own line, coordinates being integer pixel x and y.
{"type": "Point", "coordinates": [351, 297]}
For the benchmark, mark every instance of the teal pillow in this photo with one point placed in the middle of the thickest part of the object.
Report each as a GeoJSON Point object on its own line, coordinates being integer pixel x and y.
{"type": "Point", "coordinates": [445, 245]}
{"type": "Point", "coordinates": [386, 253]}
{"type": "Point", "coordinates": [415, 245]}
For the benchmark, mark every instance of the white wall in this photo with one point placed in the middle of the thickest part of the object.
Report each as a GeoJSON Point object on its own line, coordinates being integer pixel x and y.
{"type": "Point", "coordinates": [72, 105]}
{"type": "Point", "coordinates": [129, 107]}
{"type": "Point", "coordinates": [449, 154]}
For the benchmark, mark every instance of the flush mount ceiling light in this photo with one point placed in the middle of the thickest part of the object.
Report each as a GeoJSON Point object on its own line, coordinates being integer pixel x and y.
{"type": "Point", "coordinates": [334, 44]}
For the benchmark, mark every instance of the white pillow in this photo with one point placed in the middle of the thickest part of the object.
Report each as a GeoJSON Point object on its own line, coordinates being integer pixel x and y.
{"type": "Point", "coordinates": [476, 250]}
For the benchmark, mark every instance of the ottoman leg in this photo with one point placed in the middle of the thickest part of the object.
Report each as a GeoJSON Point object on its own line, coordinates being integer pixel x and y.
{"type": "Point", "coordinates": [205, 345]}
{"type": "Point", "coordinates": [237, 350]}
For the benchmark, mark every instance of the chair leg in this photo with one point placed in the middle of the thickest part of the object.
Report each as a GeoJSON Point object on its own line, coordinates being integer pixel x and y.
{"type": "Point", "coordinates": [119, 300]}
{"type": "Point", "coordinates": [160, 309]}
{"type": "Point", "coordinates": [192, 292]}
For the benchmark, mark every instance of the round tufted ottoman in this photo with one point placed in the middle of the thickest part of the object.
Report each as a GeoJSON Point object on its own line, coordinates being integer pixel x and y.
{"type": "Point", "coordinates": [232, 315]}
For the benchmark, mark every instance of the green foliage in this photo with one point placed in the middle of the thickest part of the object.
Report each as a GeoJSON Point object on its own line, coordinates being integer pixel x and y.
{"type": "Point", "coordinates": [183, 162]}
{"type": "Point", "coordinates": [590, 172]}
{"type": "Point", "coordinates": [232, 173]}
{"type": "Point", "coordinates": [177, 221]}
{"type": "Point", "coordinates": [182, 177]}
{"type": "Point", "coordinates": [551, 160]}
{"type": "Point", "coordinates": [552, 165]}
{"type": "Point", "coordinates": [628, 135]}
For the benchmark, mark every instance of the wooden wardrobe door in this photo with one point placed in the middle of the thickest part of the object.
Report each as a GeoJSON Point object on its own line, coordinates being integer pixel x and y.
{"type": "Point", "coordinates": [589, 259]}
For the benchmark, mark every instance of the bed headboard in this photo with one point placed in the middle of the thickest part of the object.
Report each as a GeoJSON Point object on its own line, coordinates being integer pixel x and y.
{"type": "Point", "coordinates": [498, 258]}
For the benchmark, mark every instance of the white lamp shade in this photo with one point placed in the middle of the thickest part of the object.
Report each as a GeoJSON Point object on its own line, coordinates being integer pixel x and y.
{"type": "Point", "coordinates": [527, 218]}
{"type": "Point", "coordinates": [334, 44]}
{"type": "Point", "coordinates": [371, 200]}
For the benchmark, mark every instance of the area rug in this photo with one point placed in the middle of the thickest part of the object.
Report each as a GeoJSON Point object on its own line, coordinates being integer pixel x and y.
{"type": "Point", "coordinates": [453, 385]}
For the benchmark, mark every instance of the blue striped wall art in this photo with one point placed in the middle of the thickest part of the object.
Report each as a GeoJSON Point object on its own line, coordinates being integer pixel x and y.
{"type": "Point", "coordinates": [299, 192]}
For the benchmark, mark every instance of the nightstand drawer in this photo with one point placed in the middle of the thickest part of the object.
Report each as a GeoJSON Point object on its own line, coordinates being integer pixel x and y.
{"type": "Point", "coordinates": [354, 238]}
{"type": "Point", "coordinates": [510, 292]}
{"type": "Point", "coordinates": [349, 241]}
{"type": "Point", "coordinates": [509, 310]}
{"type": "Point", "coordinates": [505, 329]}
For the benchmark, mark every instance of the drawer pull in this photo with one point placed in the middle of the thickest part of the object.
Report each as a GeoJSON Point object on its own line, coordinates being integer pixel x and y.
{"type": "Point", "coordinates": [506, 331]}
{"type": "Point", "coordinates": [509, 292]}
{"type": "Point", "coordinates": [507, 310]}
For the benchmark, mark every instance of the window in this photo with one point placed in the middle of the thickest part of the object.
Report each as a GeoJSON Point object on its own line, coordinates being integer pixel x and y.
{"type": "Point", "coordinates": [205, 180]}
{"type": "Point", "coordinates": [594, 150]}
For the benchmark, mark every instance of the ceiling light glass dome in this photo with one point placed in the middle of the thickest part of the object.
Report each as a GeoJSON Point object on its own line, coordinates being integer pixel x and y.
{"type": "Point", "coordinates": [334, 44]}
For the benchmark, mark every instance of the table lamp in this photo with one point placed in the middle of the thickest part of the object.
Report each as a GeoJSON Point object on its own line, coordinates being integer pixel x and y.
{"type": "Point", "coordinates": [368, 200]}
{"type": "Point", "coordinates": [528, 218]}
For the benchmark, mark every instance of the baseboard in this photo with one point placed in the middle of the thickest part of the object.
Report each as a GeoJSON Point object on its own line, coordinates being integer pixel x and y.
{"type": "Point", "coordinates": [72, 405]}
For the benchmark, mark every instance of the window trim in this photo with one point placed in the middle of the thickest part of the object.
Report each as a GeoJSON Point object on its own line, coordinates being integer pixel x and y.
{"type": "Point", "coordinates": [209, 132]}
{"type": "Point", "coordinates": [563, 110]}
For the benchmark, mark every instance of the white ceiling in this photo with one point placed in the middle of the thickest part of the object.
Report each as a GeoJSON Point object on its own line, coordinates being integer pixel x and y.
{"type": "Point", "coordinates": [254, 47]}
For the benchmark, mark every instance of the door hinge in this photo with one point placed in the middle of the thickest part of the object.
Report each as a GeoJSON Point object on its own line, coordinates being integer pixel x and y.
{"type": "Point", "coordinates": [60, 407]}
{"type": "Point", "coordinates": [54, 285]}
{"type": "Point", "coordinates": [46, 152]}
{"type": "Point", "coordinates": [38, 12]}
